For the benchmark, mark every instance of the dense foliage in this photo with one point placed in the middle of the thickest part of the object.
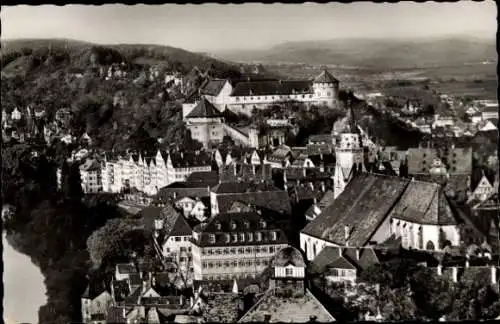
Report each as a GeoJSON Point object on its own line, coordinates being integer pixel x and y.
{"type": "Point", "coordinates": [52, 227]}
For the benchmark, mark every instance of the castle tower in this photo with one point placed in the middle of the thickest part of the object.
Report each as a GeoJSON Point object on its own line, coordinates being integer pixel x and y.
{"type": "Point", "coordinates": [349, 152]}
{"type": "Point", "coordinates": [326, 89]}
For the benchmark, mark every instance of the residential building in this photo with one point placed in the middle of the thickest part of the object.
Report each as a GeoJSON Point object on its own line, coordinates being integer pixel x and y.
{"type": "Point", "coordinates": [176, 240]}
{"type": "Point", "coordinates": [151, 173]}
{"type": "Point", "coordinates": [90, 173]}
{"type": "Point", "coordinates": [205, 122]}
{"type": "Point", "coordinates": [235, 245]}
{"type": "Point", "coordinates": [490, 111]}
{"type": "Point", "coordinates": [374, 207]}
{"type": "Point", "coordinates": [245, 95]}
{"type": "Point", "coordinates": [287, 299]}
{"type": "Point", "coordinates": [96, 301]}
{"type": "Point", "coordinates": [343, 264]}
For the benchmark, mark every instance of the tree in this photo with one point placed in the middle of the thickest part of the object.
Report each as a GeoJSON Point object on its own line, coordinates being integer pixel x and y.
{"type": "Point", "coordinates": [115, 240]}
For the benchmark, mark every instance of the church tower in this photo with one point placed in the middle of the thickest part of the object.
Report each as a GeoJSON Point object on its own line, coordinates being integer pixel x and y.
{"type": "Point", "coordinates": [349, 152]}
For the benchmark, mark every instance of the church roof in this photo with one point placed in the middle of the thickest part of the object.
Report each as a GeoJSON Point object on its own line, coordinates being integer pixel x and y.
{"type": "Point", "coordinates": [431, 207]}
{"type": "Point", "coordinates": [325, 77]}
{"type": "Point", "coordinates": [363, 205]}
{"type": "Point", "coordinates": [204, 109]}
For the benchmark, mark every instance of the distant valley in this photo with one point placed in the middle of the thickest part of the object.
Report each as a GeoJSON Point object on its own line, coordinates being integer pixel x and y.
{"type": "Point", "coordinates": [370, 53]}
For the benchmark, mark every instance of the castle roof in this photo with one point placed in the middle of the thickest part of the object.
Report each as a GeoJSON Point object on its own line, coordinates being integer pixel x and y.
{"type": "Point", "coordinates": [204, 109]}
{"type": "Point", "coordinates": [325, 77]}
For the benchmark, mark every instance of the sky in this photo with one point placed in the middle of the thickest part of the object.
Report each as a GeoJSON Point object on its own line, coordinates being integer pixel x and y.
{"type": "Point", "coordinates": [216, 27]}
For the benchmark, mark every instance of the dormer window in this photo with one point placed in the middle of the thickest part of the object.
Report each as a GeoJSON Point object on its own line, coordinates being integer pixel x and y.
{"type": "Point", "coordinates": [263, 224]}
{"type": "Point", "coordinates": [212, 238]}
{"type": "Point", "coordinates": [250, 237]}
{"type": "Point", "coordinates": [235, 237]}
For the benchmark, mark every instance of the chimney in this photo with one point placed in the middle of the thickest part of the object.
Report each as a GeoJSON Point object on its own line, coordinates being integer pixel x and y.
{"type": "Point", "coordinates": [315, 200]}
{"type": "Point", "coordinates": [284, 176]}
{"type": "Point", "coordinates": [182, 300]}
{"type": "Point", "coordinates": [494, 275]}
{"type": "Point", "coordinates": [454, 274]}
{"type": "Point", "coordinates": [439, 270]}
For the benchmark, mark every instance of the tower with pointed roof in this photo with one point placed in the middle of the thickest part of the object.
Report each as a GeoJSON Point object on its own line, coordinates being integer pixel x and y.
{"type": "Point", "coordinates": [349, 152]}
{"type": "Point", "coordinates": [205, 122]}
{"type": "Point", "coordinates": [326, 89]}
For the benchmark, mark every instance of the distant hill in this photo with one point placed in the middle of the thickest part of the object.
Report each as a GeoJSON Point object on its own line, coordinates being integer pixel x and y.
{"type": "Point", "coordinates": [374, 53]}
{"type": "Point", "coordinates": [27, 53]}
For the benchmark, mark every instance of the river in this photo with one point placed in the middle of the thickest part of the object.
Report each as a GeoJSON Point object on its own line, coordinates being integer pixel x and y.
{"type": "Point", "coordinates": [24, 289]}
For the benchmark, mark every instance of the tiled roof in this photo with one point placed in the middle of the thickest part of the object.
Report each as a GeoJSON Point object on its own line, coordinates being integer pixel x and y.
{"type": "Point", "coordinates": [176, 225]}
{"type": "Point", "coordinates": [288, 255]}
{"type": "Point", "coordinates": [269, 88]}
{"type": "Point", "coordinates": [121, 289]}
{"type": "Point", "coordinates": [330, 257]}
{"type": "Point", "coordinates": [325, 77]}
{"type": "Point", "coordinates": [235, 187]}
{"type": "Point", "coordinates": [277, 200]}
{"type": "Point", "coordinates": [420, 159]}
{"type": "Point", "coordinates": [424, 203]}
{"type": "Point", "coordinates": [363, 205]}
{"type": "Point", "coordinates": [212, 87]}
{"type": "Point", "coordinates": [204, 109]}
{"type": "Point", "coordinates": [341, 263]}
{"type": "Point", "coordinates": [282, 309]}
{"type": "Point", "coordinates": [321, 138]}
{"type": "Point", "coordinates": [94, 289]}
{"type": "Point", "coordinates": [244, 222]}
{"type": "Point", "coordinates": [317, 208]}
{"type": "Point", "coordinates": [190, 159]}
{"type": "Point", "coordinates": [183, 189]}
{"type": "Point", "coordinates": [208, 178]}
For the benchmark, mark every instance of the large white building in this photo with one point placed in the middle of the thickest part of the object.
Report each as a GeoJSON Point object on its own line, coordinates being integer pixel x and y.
{"type": "Point", "coordinates": [245, 95]}
{"type": "Point", "coordinates": [150, 174]}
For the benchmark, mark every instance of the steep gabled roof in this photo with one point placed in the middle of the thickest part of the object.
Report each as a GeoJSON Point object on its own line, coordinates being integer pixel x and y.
{"type": "Point", "coordinates": [363, 206]}
{"type": "Point", "coordinates": [424, 203]}
{"type": "Point", "coordinates": [204, 109]}
{"type": "Point", "coordinates": [288, 255]}
{"type": "Point", "coordinates": [177, 225]}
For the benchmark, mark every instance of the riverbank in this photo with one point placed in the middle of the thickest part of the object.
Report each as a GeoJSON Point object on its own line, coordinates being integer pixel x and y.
{"type": "Point", "coordinates": [24, 288]}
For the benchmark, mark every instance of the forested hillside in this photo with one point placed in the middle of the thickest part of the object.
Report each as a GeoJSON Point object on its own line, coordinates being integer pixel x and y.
{"type": "Point", "coordinates": [127, 112]}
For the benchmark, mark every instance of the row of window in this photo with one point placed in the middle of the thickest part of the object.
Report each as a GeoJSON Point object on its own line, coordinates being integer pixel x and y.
{"type": "Point", "coordinates": [241, 250]}
{"type": "Point", "coordinates": [275, 97]}
{"type": "Point", "coordinates": [241, 237]}
{"type": "Point", "coordinates": [342, 273]}
{"type": "Point", "coordinates": [225, 276]}
{"type": "Point", "coordinates": [234, 263]}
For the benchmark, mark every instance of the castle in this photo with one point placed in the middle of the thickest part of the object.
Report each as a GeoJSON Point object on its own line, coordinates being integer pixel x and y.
{"type": "Point", "coordinates": [245, 95]}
